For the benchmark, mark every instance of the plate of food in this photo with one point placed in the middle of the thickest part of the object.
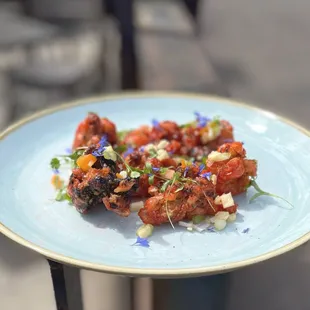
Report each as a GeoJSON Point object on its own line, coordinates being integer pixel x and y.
{"type": "Point", "coordinates": [156, 184]}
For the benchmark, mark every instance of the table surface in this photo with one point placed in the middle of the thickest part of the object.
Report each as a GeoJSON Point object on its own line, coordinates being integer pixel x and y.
{"type": "Point", "coordinates": [259, 51]}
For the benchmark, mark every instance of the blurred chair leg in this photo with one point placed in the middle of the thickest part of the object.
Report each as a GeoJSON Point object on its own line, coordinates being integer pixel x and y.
{"type": "Point", "coordinates": [59, 284]}
{"type": "Point", "coordinates": [193, 7]}
{"type": "Point", "coordinates": [124, 14]}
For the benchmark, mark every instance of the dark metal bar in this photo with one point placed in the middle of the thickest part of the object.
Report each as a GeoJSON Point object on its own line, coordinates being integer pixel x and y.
{"type": "Point", "coordinates": [59, 284]}
{"type": "Point", "coordinates": [123, 10]}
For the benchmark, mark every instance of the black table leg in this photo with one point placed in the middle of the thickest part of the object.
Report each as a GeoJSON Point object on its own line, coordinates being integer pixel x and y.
{"type": "Point", "coordinates": [123, 10]}
{"type": "Point", "coordinates": [192, 6]}
{"type": "Point", "coordinates": [59, 284]}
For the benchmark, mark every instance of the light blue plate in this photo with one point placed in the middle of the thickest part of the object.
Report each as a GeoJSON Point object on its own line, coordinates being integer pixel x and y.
{"type": "Point", "coordinates": [103, 241]}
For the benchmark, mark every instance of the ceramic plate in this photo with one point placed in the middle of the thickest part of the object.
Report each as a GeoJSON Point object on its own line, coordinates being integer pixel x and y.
{"type": "Point", "coordinates": [103, 241]}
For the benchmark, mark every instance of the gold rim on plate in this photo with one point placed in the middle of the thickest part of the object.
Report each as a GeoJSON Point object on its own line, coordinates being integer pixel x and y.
{"type": "Point", "coordinates": [149, 272]}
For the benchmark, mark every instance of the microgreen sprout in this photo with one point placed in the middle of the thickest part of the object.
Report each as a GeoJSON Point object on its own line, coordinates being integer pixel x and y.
{"type": "Point", "coordinates": [56, 162]}
{"type": "Point", "coordinates": [62, 195]}
{"type": "Point", "coordinates": [260, 192]}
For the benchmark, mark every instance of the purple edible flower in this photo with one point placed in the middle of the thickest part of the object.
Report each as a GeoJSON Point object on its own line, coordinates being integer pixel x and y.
{"type": "Point", "coordinates": [201, 167]}
{"type": "Point", "coordinates": [202, 120]}
{"type": "Point", "coordinates": [128, 152]}
{"type": "Point", "coordinates": [155, 169]}
{"type": "Point", "coordinates": [142, 148]}
{"type": "Point", "coordinates": [211, 229]}
{"type": "Point", "coordinates": [206, 175]}
{"type": "Point", "coordinates": [102, 144]}
{"type": "Point", "coordinates": [68, 150]}
{"type": "Point", "coordinates": [142, 242]}
{"type": "Point", "coordinates": [155, 123]}
{"type": "Point", "coordinates": [185, 171]}
{"type": "Point", "coordinates": [245, 231]}
{"type": "Point", "coordinates": [103, 141]}
{"type": "Point", "coordinates": [55, 171]}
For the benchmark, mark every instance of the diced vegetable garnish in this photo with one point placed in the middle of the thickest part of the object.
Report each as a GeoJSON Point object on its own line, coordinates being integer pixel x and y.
{"type": "Point", "coordinates": [85, 162]}
{"type": "Point", "coordinates": [217, 156]}
{"type": "Point", "coordinates": [145, 231]}
{"type": "Point", "coordinates": [57, 182]}
{"type": "Point", "coordinates": [219, 224]}
{"type": "Point", "coordinates": [231, 218]}
{"type": "Point", "coordinates": [136, 206]}
{"type": "Point", "coordinates": [227, 200]}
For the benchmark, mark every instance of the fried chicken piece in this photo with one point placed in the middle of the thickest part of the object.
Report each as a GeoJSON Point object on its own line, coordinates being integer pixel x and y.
{"type": "Point", "coordinates": [101, 183]}
{"type": "Point", "coordinates": [87, 189]}
{"type": "Point", "coordinates": [175, 205]}
{"type": "Point", "coordinates": [91, 130]}
{"type": "Point", "coordinates": [234, 174]}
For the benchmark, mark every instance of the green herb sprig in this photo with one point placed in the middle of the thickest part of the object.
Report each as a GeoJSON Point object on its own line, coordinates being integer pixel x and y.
{"type": "Point", "coordinates": [260, 192]}
{"type": "Point", "coordinates": [62, 195]}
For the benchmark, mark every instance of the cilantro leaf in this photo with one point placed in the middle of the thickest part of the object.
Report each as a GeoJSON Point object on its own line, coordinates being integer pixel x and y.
{"type": "Point", "coordinates": [55, 163]}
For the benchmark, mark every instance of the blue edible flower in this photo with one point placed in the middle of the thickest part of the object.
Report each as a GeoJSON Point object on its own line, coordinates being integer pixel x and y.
{"type": "Point", "coordinates": [142, 242]}
{"type": "Point", "coordinates": [211, 229]}
{"type": "Point", "coordinates": [201, 167]}
{"type": "Point", "coordinates": [206, 175]}
{"type": "Point", "coordinates": [129, 151]}
{"type": "Point", "coordinates": [245, 231]}
{"type": "Point", "coordinates": [155, 123]}
{"type": "Point", "coordinates": [55, 171]}
{"type": "Point", "coordinates": [102, 144]}
{"type": "Point", "coordinates": [185, 171]}
{"type": "Point", "coordinates": [155, 169]}
{"type": "Point", "coordinates": [68, 150]}
{"type": "Point", "coordinates": [202, 120]}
